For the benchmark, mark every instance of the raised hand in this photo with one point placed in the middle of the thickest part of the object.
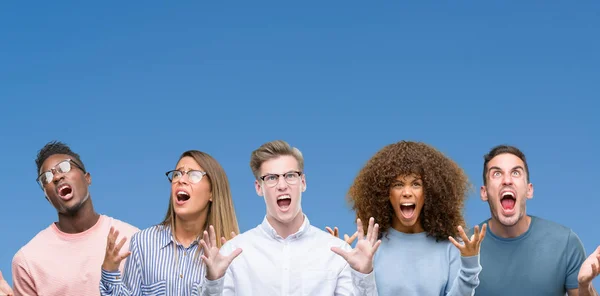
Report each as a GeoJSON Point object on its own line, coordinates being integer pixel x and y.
{"type": "Point", "coordinates": [113, 257]}
{"type": "Point", "coordinates": [361, 257]}
{"type": "Point", "coordinates": [590, 268]}
{"type": "Point", "coordinates": [335, 232]}
{"type": "Point", "coordinates": [216, 263]}
{"type": "Point", "coordinates": [470, 246]}
{"type": "Point", "coordinates": [4, 287]}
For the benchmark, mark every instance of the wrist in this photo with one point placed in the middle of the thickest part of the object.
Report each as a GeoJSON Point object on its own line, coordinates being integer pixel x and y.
{"type": "Point", "coordinates": [585, 284]}
{"type": "Point", "coordinates": [110, 267]}
{"type": "Point", "coordinates": [212, 276]}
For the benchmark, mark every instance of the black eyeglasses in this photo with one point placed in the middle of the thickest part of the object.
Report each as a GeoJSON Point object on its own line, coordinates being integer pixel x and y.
{"type": "Point", "coordinates": [194, 176]}
{"type": "Point", "coordinates": [273, 179]}
{"type": "Point", "coordinates": [62, 167]}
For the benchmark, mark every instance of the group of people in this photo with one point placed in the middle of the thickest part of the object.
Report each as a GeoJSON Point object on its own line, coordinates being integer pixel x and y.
{"type": "Point", "coordinates": [411, 236]}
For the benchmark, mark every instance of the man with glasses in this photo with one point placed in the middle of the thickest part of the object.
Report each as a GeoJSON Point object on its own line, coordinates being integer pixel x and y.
{"type": "Point", "coordinates": [64, 258]}
{"type": "Point", "coordinates": [285, 254]}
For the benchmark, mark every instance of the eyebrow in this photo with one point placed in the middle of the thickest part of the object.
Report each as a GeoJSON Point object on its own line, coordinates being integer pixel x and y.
{"type": "Point", "coordinates": [499, 169]}
{"type": "Point", "coordinates": [403, 181]}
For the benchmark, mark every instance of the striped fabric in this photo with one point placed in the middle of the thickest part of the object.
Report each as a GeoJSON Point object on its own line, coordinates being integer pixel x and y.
{"type": "Point", "coordinates": [154, 268]}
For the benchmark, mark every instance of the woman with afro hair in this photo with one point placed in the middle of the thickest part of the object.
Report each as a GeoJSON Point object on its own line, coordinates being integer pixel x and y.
{"type": "Point", "coordinates": [417, 194]}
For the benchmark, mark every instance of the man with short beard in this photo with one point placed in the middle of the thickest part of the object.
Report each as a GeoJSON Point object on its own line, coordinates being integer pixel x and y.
{"type": "Point", "coordinates": [65, 258]}
{"type": "Point", "coordinates": [524, 254]}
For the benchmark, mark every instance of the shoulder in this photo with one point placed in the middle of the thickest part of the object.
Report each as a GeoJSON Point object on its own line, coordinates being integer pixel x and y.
{"type": "Point", "coordinates": [38, 242]}
{"type": "Point", "coordinates": [325, 238]}
{"type": "Point", "coordinates": [123, 227]}
{"type": "Point", "coordinates": [550, 229]}
{"type": "Point", "coordinates": [33, 246]}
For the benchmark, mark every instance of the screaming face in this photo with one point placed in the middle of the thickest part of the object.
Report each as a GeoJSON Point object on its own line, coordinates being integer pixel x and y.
{"type": "Point", "coordinates": [507, 189]}
{"type": "Point", "coordinates": [407, 199]}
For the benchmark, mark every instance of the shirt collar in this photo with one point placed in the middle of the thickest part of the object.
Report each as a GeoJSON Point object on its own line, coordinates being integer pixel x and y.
{"type": "Point", "coordinates": [166, 237]}
{"type": "Point", "coordinates": [271, 232]}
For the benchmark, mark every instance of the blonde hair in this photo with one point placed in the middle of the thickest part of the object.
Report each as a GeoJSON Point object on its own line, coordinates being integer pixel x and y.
{"type": "Point", "coordinates": [273, 150]}
{"type": "Point", "coordinates": [221, 212]}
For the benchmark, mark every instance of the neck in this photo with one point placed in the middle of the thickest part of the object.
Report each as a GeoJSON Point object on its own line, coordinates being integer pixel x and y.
{"type": "Point", "coordinates": [79, 221]}
{"type": "Point", "coordinates": [415, 228]}
{"type": "Point", "coordinates": [286, 229]}
{"type": "Point", "coordinates": [187, 230]}
{"type": "Point", "coordinates": [510, 231]}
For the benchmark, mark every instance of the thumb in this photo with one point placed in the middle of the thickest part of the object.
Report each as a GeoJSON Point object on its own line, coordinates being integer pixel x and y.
{"type": "Point", "coordinates": [124, 256]}
{"type": "Point", "coordinates": [340, 252]}
{"type": "Point", "coordinates": [233, 255]}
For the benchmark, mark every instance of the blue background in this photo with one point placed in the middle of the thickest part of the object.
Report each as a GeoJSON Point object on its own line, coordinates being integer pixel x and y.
{"type": "Point", "coordinates": [131, 85]}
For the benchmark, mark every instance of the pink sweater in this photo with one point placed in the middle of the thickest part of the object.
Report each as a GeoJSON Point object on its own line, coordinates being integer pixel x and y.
{"type": "Point", "coordinates": [58, 263]}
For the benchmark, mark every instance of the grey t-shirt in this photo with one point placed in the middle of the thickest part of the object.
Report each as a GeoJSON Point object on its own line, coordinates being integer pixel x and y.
{"type": "Point", "coordinates": [543, 261]}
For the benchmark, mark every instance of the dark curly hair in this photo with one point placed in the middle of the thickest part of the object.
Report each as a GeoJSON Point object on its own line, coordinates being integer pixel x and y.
{"type": "Point", "coordinates": [445, 185]}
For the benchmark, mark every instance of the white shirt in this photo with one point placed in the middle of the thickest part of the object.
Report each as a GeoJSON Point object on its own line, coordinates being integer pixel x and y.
{"type": "Point", "coordinates": [300, 265]}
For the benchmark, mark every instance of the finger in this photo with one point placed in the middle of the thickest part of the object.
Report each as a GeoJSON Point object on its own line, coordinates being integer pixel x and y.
{"type": "Point", "coordinates": [340, 252]}
{"type": "Point", "coordinates": [109, 238]}
{"type": "Point", "coordinates": [124, 256]}
{"type": "Point", "coordinates": [233, 255]}
{"type": "Point", "coordinates": [213, 236]}
{"type": "Point", "coordinates": [204, 247]}
{"type": "Point", "coordinates": [376, 246]}
{"type": "Point", "coordinates": [205, 238]}
{"type": "Point", "coordinates": [455, 243]}
{"type": "Point", "coordinates": [463, 235]}
{"type": "Point", "coordinates": [329, 230]}
{"type": "Point", "coordinates": [482, 233]}
{"type": "Point", "coordinates": [476, 233]}
{"type": "Point", "coordinates": [223, 240]}
{"type": "Point", "coordinates": [375, 233]}
{"type": "Point", "coordinates": [336, 232]}
{"type": "Point", "coordinates": [114, 238]}
{"type": "Point", "coordinates": [353, 237]}
{"type": "Point", "coordinates": [120, 245]}
{"type": "Point", "coordinates": [370, 228]}
{"type": "Point", "coordinates": [359, 228]}
{"type": "Point", "coordinates": [233, 234]}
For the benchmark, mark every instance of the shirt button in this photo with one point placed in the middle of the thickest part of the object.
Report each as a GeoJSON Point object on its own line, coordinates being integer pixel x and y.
{"type": "Point", "coordinates": [181, 275]}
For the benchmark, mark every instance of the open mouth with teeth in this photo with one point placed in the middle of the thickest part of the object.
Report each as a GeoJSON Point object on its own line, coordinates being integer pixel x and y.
{"type": "Point", "coordinates": [407, 210]}
{"type": "Point", "coordinates": [182, 196]}
{"type": "Point", "coordinates": [284, 201]}
{"type": "Point", "coordinates": [65, 191]}
{"type": "Point", "coordinates": [508, 200]}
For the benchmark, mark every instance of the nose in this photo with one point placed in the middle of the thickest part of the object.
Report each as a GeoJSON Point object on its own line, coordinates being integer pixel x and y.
{"type": "Point", "coordinates": [506, 179]}
{"type": "Point", "coordinates": [184, 179]}
{"type": "Point", "coordinates": [406, 192]}
{"type": "Point", "coordinates": [56, 176]}
{"type": "Point", "coordinates": [281, 184]}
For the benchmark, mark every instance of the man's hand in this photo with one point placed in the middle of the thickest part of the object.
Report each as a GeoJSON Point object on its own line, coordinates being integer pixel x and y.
{"type": "Point", "coordinates": [361, 257]}
{"type": "Point", "coordinates": [216, 264]}
{"type": "Point", "coordinates": [335, 232]}
{"type": "Point", "coordinates": [588, 271]}
{"type": "Point", "coordinates": [112, 257]}
{"type": "Point", "coordinates": [5, 289]}
{"type": "Point", "coordinates": [470, 246]}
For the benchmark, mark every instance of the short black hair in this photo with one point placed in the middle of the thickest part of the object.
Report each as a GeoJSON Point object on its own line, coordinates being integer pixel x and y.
{"type": "Point", "coordinates": [56, 147]}
{"type": "Point", "coordinates": [503, 149]}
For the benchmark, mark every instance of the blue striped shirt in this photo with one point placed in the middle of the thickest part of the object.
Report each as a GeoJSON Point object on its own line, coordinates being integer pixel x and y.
{"type": "Point", "coordinates": [153, 268]}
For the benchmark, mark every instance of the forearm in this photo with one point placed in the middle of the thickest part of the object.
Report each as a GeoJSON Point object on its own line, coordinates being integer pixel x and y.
{"type": "Point", "coordinates": [468, 277]}
{"type": "Point", "coordinates": [587, 290]}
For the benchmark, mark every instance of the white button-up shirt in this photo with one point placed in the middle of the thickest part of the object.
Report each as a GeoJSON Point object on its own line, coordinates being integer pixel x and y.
{"type": "Point", "coordinates": [300, 265]}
